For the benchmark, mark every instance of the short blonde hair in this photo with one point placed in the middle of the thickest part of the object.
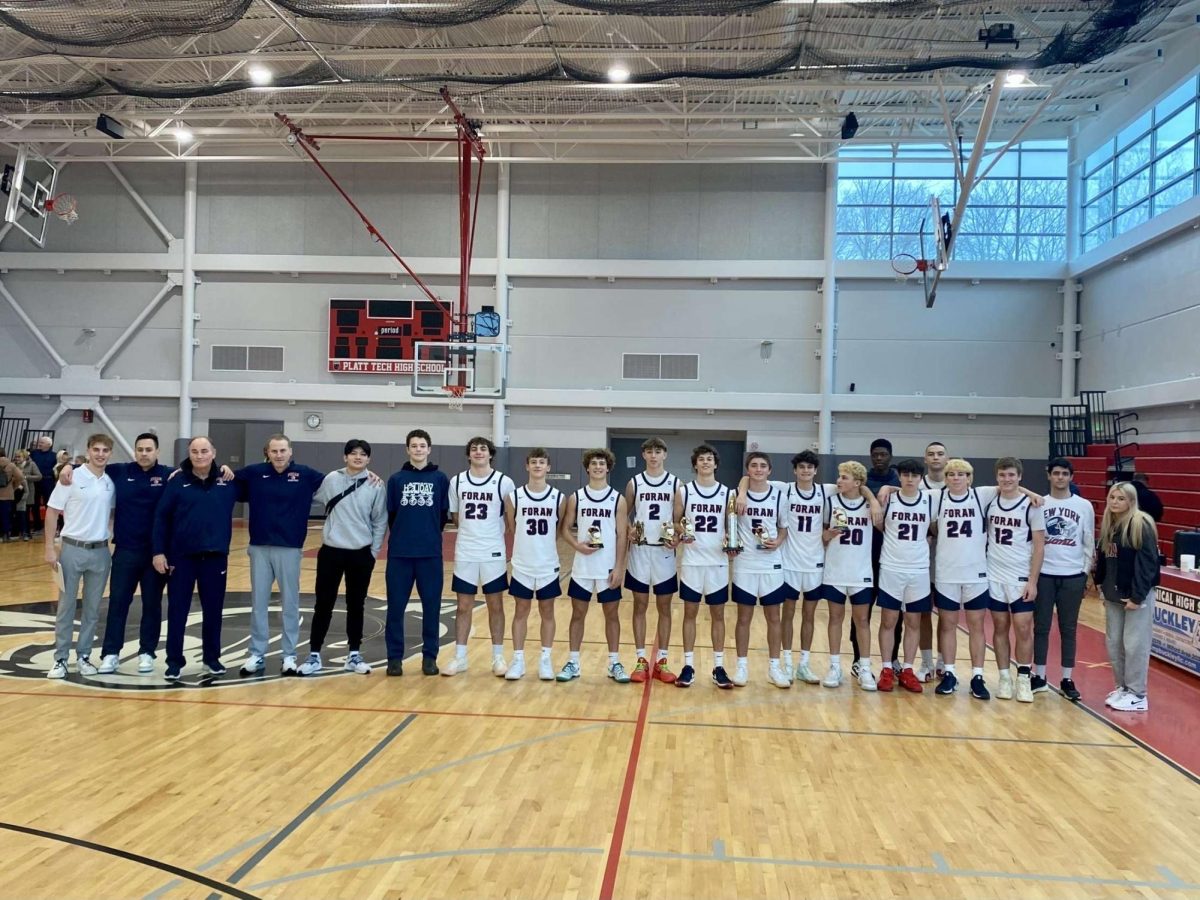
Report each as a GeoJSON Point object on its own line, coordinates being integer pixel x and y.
{"type": "Point", "coordinates": [959, 465]}
{"type": "Point", "coordinates": [855, 470]}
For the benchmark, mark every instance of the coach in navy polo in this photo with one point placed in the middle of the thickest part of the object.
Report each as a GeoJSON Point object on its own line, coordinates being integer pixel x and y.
{"type": "Point", "coordinates": [193, 526]}
{"type": "Point", "coordinates": [280, 495]}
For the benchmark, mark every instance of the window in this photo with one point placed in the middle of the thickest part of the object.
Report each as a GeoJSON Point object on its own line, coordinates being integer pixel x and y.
{"type": "Point", "coordinates": [1017, 213]}
{"type": "Point", "coordinates": [1148, 168]}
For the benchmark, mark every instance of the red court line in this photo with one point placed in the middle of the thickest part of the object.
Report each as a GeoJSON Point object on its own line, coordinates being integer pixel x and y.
{"type": "Point", "coordinates": [316, 707]}
{"type": "Point", "coordinates": [608, 885]}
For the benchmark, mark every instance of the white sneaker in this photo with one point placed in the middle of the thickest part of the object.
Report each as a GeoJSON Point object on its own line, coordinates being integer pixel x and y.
{"type": "Point", "coordinates": [924, 674]}
{"type": "Point", "coordinates": [789, 672]}
{"type": "Point", "coordinates": [1130, 702]}
{"type": "Point", "coordinates": [545, 671]}
{"type": "Point", "coordinates": [312, 665]}
{"type": "Point", "coordinates": [58, 670]}
{"type": "Point", "coordinates": [866, 679]}
{"type": "Point", "coordinates": [253, 665]}
{"type": "Point", "coordinates": [778, 676]}
{"type": "Point", "coordinates": [356, 664]}
{"type": "Point", "coordinates": [1004, 690]}
{"type": "Point", "coordinates": [109, 664]}
{"type": "Point", "coordinates": [806, 674]}
{"type": "Point", "coordinates": [499, 666]}
{"type": "Point", "coordinates": [833, 678]}
{"type": "Point", "coordinates": [1024, 689]}
{"type": "Point", "coordinates": [516, 671]}
{"type": "Point", "coordinates": [854, 669]}
{"type": "Point", "coordinates": [289, 666]}
{"type": "Point", "coordinates": [741, 675]}
{"type": "Point", "coordinates": [145, 664]}
{"type": "Point", "coordinates": [456, 666]}
{"type": "Point", "coordinates": [1114, 696]}
{"type": "Point", "coordinates": [85, 666]}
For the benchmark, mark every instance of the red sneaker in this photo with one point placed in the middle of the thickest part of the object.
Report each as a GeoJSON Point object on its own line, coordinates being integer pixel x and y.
{"type": "Point", "coordinates": [662, 672]}
{"type": "Point", "coordinates": [909, 681]}
{"type": "Point", "coordinates": [887, 679]}
{"type": "Point", "coordinates": [641, 671]}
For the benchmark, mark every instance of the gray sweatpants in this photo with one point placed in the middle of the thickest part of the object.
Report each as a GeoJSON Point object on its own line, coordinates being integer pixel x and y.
{"type": "Point", "coordinates": [1128, 633]}
{"type": "Point", "coordinates": [268, 566]}
{"type": "Point", "coordinates": [91, 567]}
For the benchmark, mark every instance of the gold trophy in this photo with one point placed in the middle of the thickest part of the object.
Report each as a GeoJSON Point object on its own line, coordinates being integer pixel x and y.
{"type": "Point", "coordinates": [760, 535]}
{"type": "Point", "coordinates": [733, 541]}
{"type": "Point", "coordinates": [838, 520]}
{"type": "Point", "coordinates": [595, 540]}
{"type": "Point", "coordinates": [668, 533]}
{"type": "Point", "coordinates": [638, 535]}
{"type": "Point", "coordinates": [689, 530]}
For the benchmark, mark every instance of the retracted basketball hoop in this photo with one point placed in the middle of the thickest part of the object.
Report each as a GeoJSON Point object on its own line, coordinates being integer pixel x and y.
{"type": "Point", "coordinates": [905, 264]}
{"type": "Point", "coordinates": [65, 206]}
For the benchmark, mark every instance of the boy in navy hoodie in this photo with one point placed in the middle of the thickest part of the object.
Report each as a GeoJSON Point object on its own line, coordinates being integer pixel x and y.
{"type": "Point", "coordinates": [418, 505]}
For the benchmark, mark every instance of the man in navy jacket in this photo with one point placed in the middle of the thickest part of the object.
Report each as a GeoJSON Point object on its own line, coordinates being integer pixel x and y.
{"type": "Point", "coordinates": [418, 504]}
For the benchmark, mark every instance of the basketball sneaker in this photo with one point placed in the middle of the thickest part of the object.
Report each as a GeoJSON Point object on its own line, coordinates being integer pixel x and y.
{"type": "Point", "coordinates": [499, 666]}
{"type": "Point", "coordinates": [569, 672]}
{"type": "Point", "coordinates": [215, 670]}
{"type": "Point", "coordinates": [312, 665]}
{"type": "Point", "coordinates": [171, 674]}
{"type": "Point", "coordinates": [252, 666]}
{"type": "Point", "coordinates": [618, 674]}
{"type": "Point", "coordinates": [806, 674]}
{"type": "Point", "coordinates": [545, 670]}
{"type": "Point", "coordinates": [145, 664]}
{"type": "Point", "coordinates": [663, 672]}
{"type": "Point", "coordinates": [356, 664]}
{"type": "Point", "coordinates": [866, 678]}
{"type": "Point", "coordinates": [1004, 690]}
{"type": "Point", "coordinates": [721, 678]}
{"type": "Point", "coordinates": [516, 671]}
{"type": "Point", "coordinates": [58, 670]}
{"type": "Point", "coordinates": [887, 679]}
{"type": "Point", "coordinates": [641, 671]}
{"type": "Point", "coordinates": [686, 676]}
{"type": "Point", "coordinates": [456, 666]}
{"type": "Point", "coordinates": [85, 666]}
{"type": "Point", "coordinates": [854, 669]}
{"type": "Point", "coordinates": [109, 664]}
{"type": "Point", "coordinates": [777, 676]}
{"type": "Point", "coordinates": [910, 682]}
{"type": "Point", "coordinates": [1024, 689]}
{"type": "Point", "coordinates": [924, 674]}
{"type": "Point", "coordinates": [1130, 702]}
{"type": "Point", "coordinates": [741, 675]}
{"type": "Point", "coordinates": [1038, 684]}
{"type": "Point", "coordinates": [948, 684]}
{"type": "Point", "coordinates": [833, 678]}
{"type": "Point", "coordinates": [979, 688]}
{"type": "Point", "coordinates": [288, 666]}
{"type": "Point", "coordinates": [1069, 690]}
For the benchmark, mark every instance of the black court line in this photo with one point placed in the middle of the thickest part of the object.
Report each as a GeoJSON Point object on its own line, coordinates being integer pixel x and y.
{"type": "Point", "coordinates": [280, 836]}
{"type": "Point", "coordinates": [219, 887]}
{"type": "Point", "coordinates": [893, 734]}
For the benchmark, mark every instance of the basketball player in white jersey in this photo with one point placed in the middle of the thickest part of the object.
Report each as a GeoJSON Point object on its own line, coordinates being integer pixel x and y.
{"type": "Point", "coordinates": [650, 497]}
{"type": "Point", "coordinates": [758, 569]}
{"type": "Point", "coordinates": [803, 559]}
{"type": "Point", "coordinates": [602, 519]}
{"type": "Point", "coordinates": [702, 509]}
{"type": "Point", "coordinates": [477, 506]}
{"type": "Point", "coordinates": [904, 572]}
{"type": "Point", "coordinates": [850, 515]}
{"type": "Point", "coordinates": [1016, 544]}
{"type": "Point", "coordinates": [534, 513]}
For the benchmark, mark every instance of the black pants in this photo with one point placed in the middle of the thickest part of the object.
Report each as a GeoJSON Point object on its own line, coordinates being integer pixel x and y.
{"type": "Point", "coordinates": [1064, 593]}
{"type": "Point", "coordinates": [876, 549]}
{"type": "Point", "coordinates": [205, 573]}
{"type": "Point", "coordinates": [332, 564]}
{"type": "Point", "coordinates": [130, 569]}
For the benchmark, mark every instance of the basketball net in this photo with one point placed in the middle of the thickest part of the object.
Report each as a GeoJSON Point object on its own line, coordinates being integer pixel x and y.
{"type": "Point", "coordinates": [65, 207]}
{"type": "Point", "coordinates": [454, 394]}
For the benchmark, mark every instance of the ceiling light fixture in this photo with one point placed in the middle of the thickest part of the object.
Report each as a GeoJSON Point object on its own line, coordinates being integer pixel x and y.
{"type": "Point", "coordinates": [618, 74]}
{"type": "Point", "coordinates": [261, 75]}
{"type": "Point", "coordinates": [1017, 78]}
{"type": "Point", "coordinates": [182, 133]}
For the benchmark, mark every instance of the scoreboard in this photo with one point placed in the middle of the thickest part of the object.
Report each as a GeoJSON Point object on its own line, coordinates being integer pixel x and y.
{"type": "Point", "coordinates": [378, 336]}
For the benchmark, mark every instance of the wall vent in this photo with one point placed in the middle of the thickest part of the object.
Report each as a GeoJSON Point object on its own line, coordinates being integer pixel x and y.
{"type": "Point", "coordinates": [660, 366]}
{"type": "Point", "coordinates": [238, 358]}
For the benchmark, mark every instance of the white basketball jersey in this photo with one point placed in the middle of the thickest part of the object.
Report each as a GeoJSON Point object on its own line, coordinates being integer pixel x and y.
{"type": "Point", "coordinates": [480, 509]}
{"type": "Point", "coordinates": [765, 511]}
{"type": "Point", "coordinates": [932, 485]}
{"type": "Point", "coordinates": [962, 536]}
{"type": "Point", "coordinates": [804, 551]}
{"type": "Point", "coordinates": [1010, 539]}
{"type": "Point", "coordinates": [905, 533]}
{"type": "Point", "coordinates": [599, 512]}
{"type": "Point", "coordinates": [654, 503]}
{"type": "Point", "coordinates": [535, 538]}
{"type": "Point", "coordinates": [707, 509]}
{"type": "Point", "coordinates": [848, 556]}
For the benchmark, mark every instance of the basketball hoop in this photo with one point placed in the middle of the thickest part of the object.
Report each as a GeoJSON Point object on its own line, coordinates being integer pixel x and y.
{"type": "Point", "coordinates": [455, 394]}
{"type": "Point", "coordinates": [65, 207]}
{"type": "Point", "coordinates": [904, 264]}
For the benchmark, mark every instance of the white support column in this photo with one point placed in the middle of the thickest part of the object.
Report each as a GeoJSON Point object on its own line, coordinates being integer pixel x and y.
{"type": "Point", "coordinates": [154, 220]}
{"type": "Point", "coordinates": [136, 325]}
{"type": "Point", "coordinates": [499, 407]}
{"type": "Point", "coordinates": [33, 329]}
{"type": "Point", "coordinates": [1069, 342]}
{"type": "Point", "coordinates": [113, 431]}
{"type": "Point", "coordinates": [828, 312]}
{"type": "Point", "coordinates": [187, 324]}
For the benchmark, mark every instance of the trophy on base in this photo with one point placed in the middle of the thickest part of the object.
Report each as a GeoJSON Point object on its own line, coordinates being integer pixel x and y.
{"type": "Point", "coordinates": [838, 520]}
{"type": "Point", "coordinates": [668, 533]}
{"type": "Point", "coordinates": [733, 541]}
{"type": "Point", "coordinates": [595, 538]}
{"type": "Point", "coordinates": [760, 535]}
{"type": "Point", "coordinates": [638, 534]}
{"type": "Point", "coordinates": [689, 530]}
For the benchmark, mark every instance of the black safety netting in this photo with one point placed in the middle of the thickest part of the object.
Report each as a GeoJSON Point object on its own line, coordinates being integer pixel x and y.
{"type": "Point", "coordinates": [808, 48]}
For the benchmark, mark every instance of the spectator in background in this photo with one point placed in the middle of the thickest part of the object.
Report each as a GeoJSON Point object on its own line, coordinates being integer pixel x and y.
{"type": "Point", "coordinates": [1148, 501]}
{"type": "Point", "coordinates": [42, 454]}
{"type": "Point", "coordinates": [28, 515]}
{"type": "Point", "coordinates": [11, 480]}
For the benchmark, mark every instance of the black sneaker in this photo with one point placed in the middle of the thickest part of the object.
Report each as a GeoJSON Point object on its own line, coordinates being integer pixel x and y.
{"type": "Point", "coordinates": [978, 689]}
{"type": "Point", "coordinates": [721, 679]}
{"type": "Point", "coordinates": [854, 670]}
{"type": "Point", "coordinates": [1039, 684]}
{"type": "Point", "coordinates": [171, 674]}
{"type": "Point", "coordinates": [685, 677]}
{"type": "Point", "coordinates": [428, 666]}
{"type": "Point", "coordinates": [395, 667]}
{"type": "Point", "coordinates": [1068, 688]}
{"type": "Point", "coordinates": [948, 684]}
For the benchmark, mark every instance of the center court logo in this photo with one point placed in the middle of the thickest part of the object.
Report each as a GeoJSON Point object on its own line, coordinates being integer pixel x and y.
{"type": "Point", "coordinates": [33, 656]}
